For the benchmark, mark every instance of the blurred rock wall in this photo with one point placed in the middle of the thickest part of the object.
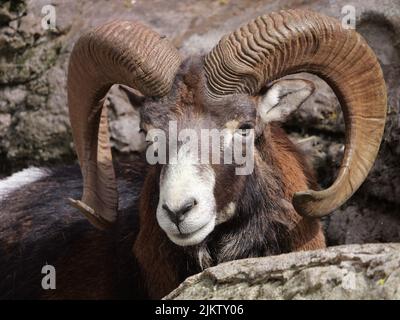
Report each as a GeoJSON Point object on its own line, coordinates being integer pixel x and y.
{"type": "Point", "coordinates": [34, 125]}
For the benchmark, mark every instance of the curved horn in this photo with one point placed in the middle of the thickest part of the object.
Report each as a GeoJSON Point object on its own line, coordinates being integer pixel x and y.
{"type": "Point", "coordinates": [118, 52]}
{"type": "Point", "coordinates": [278, 44]}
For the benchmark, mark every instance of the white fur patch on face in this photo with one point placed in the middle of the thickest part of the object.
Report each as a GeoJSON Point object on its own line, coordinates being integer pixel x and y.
{"type": "Point", "coordinates": [193, 238]}
{"type": "Point", "coordinates": [20, 179]}
{"type": "Point", "coordinates": [226, 213]}
{"type": "Point", "coordinates": [180, 182]}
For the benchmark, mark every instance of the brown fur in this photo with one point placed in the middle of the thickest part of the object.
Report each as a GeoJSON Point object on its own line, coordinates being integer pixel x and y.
{"type": "Point", "coordinates": [152, 247]}
{"type": "Point", "coordinates": [92, 265]}
{"type": "Point", "coordinates": [163, 264]}
{"type": "Point", "coordinates": [296, 176]}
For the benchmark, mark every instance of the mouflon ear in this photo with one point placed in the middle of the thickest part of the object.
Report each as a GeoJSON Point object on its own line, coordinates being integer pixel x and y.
{"type": "Point", "coordinates": [135, 98]}
{"type": "Point", "coordinates": [283, 98]}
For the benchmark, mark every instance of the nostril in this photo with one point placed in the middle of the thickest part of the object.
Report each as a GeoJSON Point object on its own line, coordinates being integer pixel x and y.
{"type": "Point", "coordinates": [178, 215]}
{"type": "Point", "coordinates": [165, 207]}
{"type": "Point", "coordinates": [188, 205]}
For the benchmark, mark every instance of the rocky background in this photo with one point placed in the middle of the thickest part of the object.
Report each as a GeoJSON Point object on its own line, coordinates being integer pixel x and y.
{"type": "Point", "coordinates": [369, 271]}
{"type": "Point", "coordinates": [34, 125]}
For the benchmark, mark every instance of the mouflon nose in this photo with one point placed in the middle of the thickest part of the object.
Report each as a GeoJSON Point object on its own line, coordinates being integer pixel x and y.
{"type": "Point", "coordinates": [179, 214]}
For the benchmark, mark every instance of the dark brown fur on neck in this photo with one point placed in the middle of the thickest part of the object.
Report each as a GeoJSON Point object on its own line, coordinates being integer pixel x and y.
{"type": "Point", "coordinates": [265, 222]}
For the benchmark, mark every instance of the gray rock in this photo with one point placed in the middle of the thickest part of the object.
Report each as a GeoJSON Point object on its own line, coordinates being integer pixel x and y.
{"type": "Point", "coordinates": [5, 122]}
{"type": "Point", "coordinates": [363, 221]}
{"type": "Point", "coordinates": [370, 271]}
{"type": "Point", "coordinates": [124, 123]}
{"type": "Point", "coordinates": [324, 152]}
{"type": "Point", "coordinates": [321, 112]}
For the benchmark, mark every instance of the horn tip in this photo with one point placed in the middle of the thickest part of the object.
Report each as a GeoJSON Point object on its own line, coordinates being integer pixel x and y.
{"type": "Point", "coordinates": [96, 220]}
{"type": "Point", "coordinates": [305, 202]}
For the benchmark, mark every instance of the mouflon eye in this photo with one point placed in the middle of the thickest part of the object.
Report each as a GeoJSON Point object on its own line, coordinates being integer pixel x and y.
{"type": "Point", "coordinates": [244, 129]}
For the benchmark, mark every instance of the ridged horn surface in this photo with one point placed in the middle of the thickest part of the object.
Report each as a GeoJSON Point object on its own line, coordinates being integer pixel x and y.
{"type": "Point", "coordinates": [120, 52]}
{"type": "Point", "coordinates": [291, 41]}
